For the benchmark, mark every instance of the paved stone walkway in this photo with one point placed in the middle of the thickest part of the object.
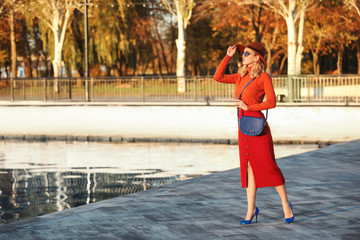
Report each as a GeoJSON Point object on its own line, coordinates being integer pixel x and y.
{"type": "Point", "coordinates": [323, 186]}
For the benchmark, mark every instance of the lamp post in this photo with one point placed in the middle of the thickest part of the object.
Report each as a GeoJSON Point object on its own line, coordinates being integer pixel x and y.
{"type": "Point", "coordinates": [86, 67]}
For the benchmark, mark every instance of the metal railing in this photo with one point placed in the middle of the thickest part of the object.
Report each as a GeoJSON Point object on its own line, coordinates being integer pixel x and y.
{"type": "Point", "coordinates": [303, 88]}
{"type": "Point", "coordinates": [318, 88]}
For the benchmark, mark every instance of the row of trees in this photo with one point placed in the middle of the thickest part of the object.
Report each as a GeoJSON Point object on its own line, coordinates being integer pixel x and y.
{"type": "Point", "coordinates": [144, 37]}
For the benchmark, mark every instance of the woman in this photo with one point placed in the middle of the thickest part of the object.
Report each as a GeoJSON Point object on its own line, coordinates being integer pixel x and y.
{"type": "Point", "coordinates": [258, 167]}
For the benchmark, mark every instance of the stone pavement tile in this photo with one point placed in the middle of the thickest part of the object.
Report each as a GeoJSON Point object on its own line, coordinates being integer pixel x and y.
{"type": "Point", "coordinates": [95, 234]}
{"type": "Point", "coordinates": [5, 236]}
{"type": "Point", "coordinates": [132, 211]}
{"type": "Point", "coordinates": [93, 215]}
{"type": "Point", "coordinates": [349, 237]}
{"type": "Point", "coordinates": [218, 224]}
{"type": "Point", "coordinates": [190, 230]}
{"type": "Point", "coordinates": [256, 231]}
{"type": "Point", "coordinates": [53, 234]}
{"type": "Point", "coordinates": [115, 210]}
{"type": "Point", "coordinates": [322, 188]}
{"type": "Point", "coordinates": [151, 230]}
{"type": "Point", "coordinates": [207, 236]}
{"type": "Point", "coordinates": [162, 216]}
{"type": "Point", "coordinates": [45, 225]}
{"type": "Point", "coordinates": [240, 236]}
{"type": "Point", "coordinates": [18, 225]}
{"type": "Point", "coordinates": [30, 235]}
{"type": "Point", "coordinates": [133, 234]}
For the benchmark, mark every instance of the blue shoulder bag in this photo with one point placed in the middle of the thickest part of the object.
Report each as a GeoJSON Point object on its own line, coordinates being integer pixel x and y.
{"type": "Point", "coordinates": [251, 126]}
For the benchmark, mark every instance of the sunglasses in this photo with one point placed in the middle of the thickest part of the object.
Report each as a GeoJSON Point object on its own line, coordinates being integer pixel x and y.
{"type": "Point", "coordinates": [246, 54]}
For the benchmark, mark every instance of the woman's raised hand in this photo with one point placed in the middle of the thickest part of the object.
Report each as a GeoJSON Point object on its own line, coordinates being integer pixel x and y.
{"type": "Point", "coordinates": [231, 50]}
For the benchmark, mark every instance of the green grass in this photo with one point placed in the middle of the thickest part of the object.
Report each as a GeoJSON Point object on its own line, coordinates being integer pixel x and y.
{"type": "Point", "coordinates": [122, 90]}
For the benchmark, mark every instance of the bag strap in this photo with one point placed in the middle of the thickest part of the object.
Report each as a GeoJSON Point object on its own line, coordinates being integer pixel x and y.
{"type": "Point", "coordinates": [245, 87]}
{"type": "Point", "coordinates": [240, 99]}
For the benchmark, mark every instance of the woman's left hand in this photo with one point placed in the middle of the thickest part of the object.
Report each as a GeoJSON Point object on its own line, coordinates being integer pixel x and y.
{"type": "Point", "coordinates": [241, 104]}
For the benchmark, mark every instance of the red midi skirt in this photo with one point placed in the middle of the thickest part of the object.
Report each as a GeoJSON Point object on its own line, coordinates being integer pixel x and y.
{"type": "Point", "coordinates": [259, 151]}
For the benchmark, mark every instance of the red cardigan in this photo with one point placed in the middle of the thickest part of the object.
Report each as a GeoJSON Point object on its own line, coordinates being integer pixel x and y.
{"type": "Point", "coordinates": [254, 94]}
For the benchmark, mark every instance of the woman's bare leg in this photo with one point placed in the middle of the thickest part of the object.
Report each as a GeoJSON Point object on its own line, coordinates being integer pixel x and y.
{"type": "Point", "coordinates": [250, 192]}
{"type": "Point", "coordinates": [284, 200]}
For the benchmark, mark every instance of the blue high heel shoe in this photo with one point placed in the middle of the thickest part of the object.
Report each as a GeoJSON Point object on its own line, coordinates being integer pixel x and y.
{"type": "Point", "coordinates": [290, 220]}
{"type": "Point", "coordinates": [249, 221]}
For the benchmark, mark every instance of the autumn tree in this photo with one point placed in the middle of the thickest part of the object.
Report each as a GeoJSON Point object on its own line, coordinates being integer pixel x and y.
{"type": "Point", "coordinates": [343, 27]}
{"type": "Point", "coordinates": [353, 19]}
{"type": "Point", "coordinates": [354, 5]}
{"type": "Point", "coordinates": [182, 10]}
{"type": "Point", "coordinates": [8, 8]}
{"type": "Point", "coordinates": [5, 47]}
{"type": "Point", "coordinates": [125, 28]}
{"type": "Point", "coordinates": [57, 15]}
{"type": "Point", "coordinates": [204, 46]}
{"type": "Point", "coordinates": [293, 12]}
{"type": "Point", "coordinates": [40, 46]}
{"type": "Point", "coordinates": [2, 6]}
{"type": "Point", "coordinates": [274, 41]}
{"type": "Point", "coordinates": [3, 53]}
{"type": "Point", "coordinates": [320, 30]}
{"type": "Point", "coordinates": [74, 49]}
{"type": "Point", "coordinates": [247, 21]}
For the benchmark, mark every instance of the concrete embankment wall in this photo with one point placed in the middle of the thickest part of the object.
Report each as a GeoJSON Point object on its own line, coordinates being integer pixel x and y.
{"type": "Point", "coordinates": [116, 122]}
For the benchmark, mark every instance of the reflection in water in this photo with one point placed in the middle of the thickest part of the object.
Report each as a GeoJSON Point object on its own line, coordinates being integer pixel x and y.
{"type": "Point", "coordinates": [37, 178]}
{"type": "Point", "coordinates": [26, 194]}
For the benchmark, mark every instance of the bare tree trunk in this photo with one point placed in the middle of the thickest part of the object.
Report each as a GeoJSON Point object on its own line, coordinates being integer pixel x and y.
{"type": "Point", "coordinates": [183, 14]}
{"type": "Point", "coordinates": [269, 60]}
{"type": "Point", "coordinates": [340, 60]}
{"type": "Point", "coordinates": [27, 61]}
{"type": "Point", "coordinates": [118, 62]}
{"type": "Point", "coordinates": [145, 67]}
{"type": "Point", "coordinates": [300, 47]}
{"type": "Point", "coordinates": [7, 71]}
{"type": "Point", "coordinates": [117, 68]}
{"type": "Point", "coordinates": [161, 46]}
{"type": "Point", "coordinates": [139, 61]}
{"type": "Point", "coordinates": [45, 60]}
{"type": "Point", "coordinates": [181, 47]}
{"type": "Point", "coordinates": [162, 51]}
{"type": "Point", "coordinates": [57, 51]}
{"type": "Point", "coordinates": [357, 43]}
{"type": "Point", "coordinates": [159, 66]}
{"type": "Point", "coordinates": [27, 53]}
{"type": "Point", "coordinates": [57, 60]}
{"type": "Point", "coordinates": [123, 64]}
{"type": "Point", "coordinates": [269, 48]}
{"type": "Point", "coordinates": [135, 61]}
{"type": "Point", "coordinates": [47, 66]}
{"type": "Point", "coordinates": [282, 64]}
{"type": "Point", "coordinates": [59, 25]}
{"type": "Point", "coordinates": [255, 20]}
{"type": "Point", "coordinates": [291, 14]}
{"type": "Point", "coordinates": [316, 66]}
{"type": "Point", "coordinates": [157, 55]}
{"type": "Point", "coordinates": [291, 27]}
{"type": "Point", "coordinates": [13, 45]}
{"type": "Point", "coordinates": [173, 45]}
{"type": "Point", "coordinates": [79, 44]}
{"type": "Point", "coordinates": [154, 66]}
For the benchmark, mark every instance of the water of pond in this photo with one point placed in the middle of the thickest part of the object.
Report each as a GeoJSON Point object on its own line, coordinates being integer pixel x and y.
{"type": "Point", "coordinates": [37, 178]}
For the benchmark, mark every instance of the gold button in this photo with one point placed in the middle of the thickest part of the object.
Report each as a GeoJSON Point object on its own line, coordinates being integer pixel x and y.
{"type": "Point", "coordinates": [245, 138]}
{"type": "Point", "coordinates": [247, 146]}
{"type": "Point", "coordinates": [247, 154]}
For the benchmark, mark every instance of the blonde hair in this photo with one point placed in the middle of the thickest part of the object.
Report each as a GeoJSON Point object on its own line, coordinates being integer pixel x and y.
{"type": "Point", "coordinates": [256, 70]}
